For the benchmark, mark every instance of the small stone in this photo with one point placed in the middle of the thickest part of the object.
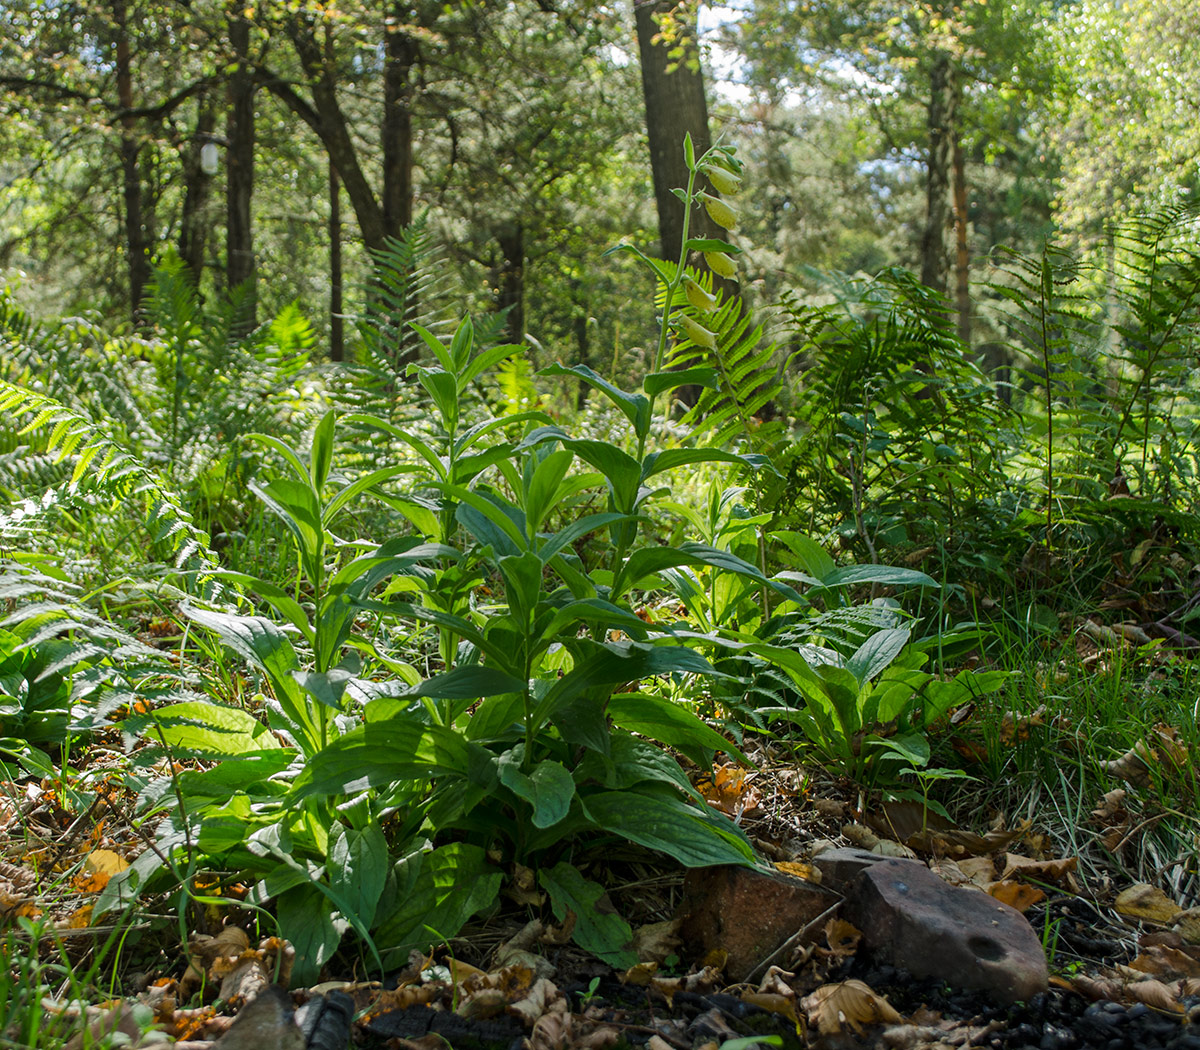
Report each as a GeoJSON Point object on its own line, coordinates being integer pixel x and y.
{"type": "Point", "coordinates": [748, 913]}
{"type": "Point", "coordinates": [911, 918]}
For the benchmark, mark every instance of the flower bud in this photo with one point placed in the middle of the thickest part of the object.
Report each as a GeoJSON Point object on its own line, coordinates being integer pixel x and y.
{"type": "Point", "coordinates": [723, 180]}
{"type": "Point", "coordinates": [720, 212]}
{"type": "Point", "coordinates": [703, 301]}
{"type": "Point", "coordinates": [721, 264]}
{"type": "Point", "coordinates": [697, 333]}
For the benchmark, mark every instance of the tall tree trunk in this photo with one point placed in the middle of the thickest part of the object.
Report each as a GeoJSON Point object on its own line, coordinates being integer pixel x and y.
{"type": "Point", "coordinates": [135, 227]}
{"type": "Point", "coordinates": [337, 330]}
{"type": "Point", "coordinates": [962, 256]}
{"type": "Point", "coordinates": [193, 225]}
{"type": "Point", "coordinates": [510, 278]}
{"type": "Point", "coordinates": [239, 168]}
{"type": "Point", "coordinates": [400, 55]}
{"type": "Point", "coordinates": [941, 122]}
{"type": "Point", "coordinates": [675, 104]}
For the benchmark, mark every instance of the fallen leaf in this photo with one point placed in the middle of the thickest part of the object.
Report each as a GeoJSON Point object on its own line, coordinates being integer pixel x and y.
{"type": "Point", "coordinates": [980, 870]}
{"type": "Point", "coordinates": [1015, 894]}
{"type": "Point", "coordinates": [842, 938]}
{"type": "Point", "coordinates": [852, 1003]}
{"type": "Point", "coordinates": [798, 869]}
{"type": "Point", "coordinates": [1157, 995]}
{"type": "Point", "coordinates": [1187, 923]}
{"type": "Point", "coordinates": [730, 789]}
{"type": "Point", "coordinates": [80, 919]}
{"type": "Point", "coordinates": [656, 940]}
{"type": "Point", "coordinates": [1160, 960]}
{"type": "Point", "coordinates": [1143, 901]}
{"type": "Point", "coordinates": [1054, 870]}
{"type": "Point", "coordinates": [773, 1002]}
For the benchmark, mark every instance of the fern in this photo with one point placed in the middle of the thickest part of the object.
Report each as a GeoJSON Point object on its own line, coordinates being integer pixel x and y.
{"type": "Point", "coordinates": [102, 467]}
{"type": "Point", "coordinates": [749, 381]}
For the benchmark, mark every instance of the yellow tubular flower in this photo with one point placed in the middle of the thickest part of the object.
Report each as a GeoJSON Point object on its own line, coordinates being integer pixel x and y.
{"type": "Point", "coordinates": [721, 264]}
{"type": "Point", "coordinates": [723, 180]}
{"type": "Point", "coordinates": [703, 301]}
{"type": "Point", "coordinates": [720, 212]}
{"type": "Point", "coordinates": [697, 333]}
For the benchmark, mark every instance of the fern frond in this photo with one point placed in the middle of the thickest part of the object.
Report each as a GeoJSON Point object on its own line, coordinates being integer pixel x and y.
{"type": "Point", "coordinates": [105, 468]}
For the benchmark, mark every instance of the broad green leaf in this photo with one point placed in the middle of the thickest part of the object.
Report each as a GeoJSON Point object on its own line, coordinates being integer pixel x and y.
{"type": "Point", "coordinates": [358, 864]}
{"type": "Point", "coordinates": [543, 489]}
{"type": "Point", "coordinates": [434, 894]}
{"type": "Point", "coordinates": [886, 575]}
{"type": "Point", "coordinates": [599, 931]}
{"type": "Point", "coordinates": [198, 725]}
{"type": "Point", "coordinates": [672, 724]}
{"type": "Point", "coordinates": [379, 753]}
{"type": "Point", "coordinates": [328, 687]}
{"type": "Point", "coordinates": [522, 585]}
{"type": "Point", "coordinates": [876, 653]}
{"type": "Point", "coordinates": [306, 920]}
{"type": "Point", "coordinates": [814, 558]}
{"type": "Point", "coordinates": [701, 375]}
{"type": "Point", "coordinates": [657, 462]}
{"type": "Point", "coordinates": [287, 453]}
{"type": "Point", "coordinates": [635, 407]}
{"type": "Point", "coordinates": [694, 837]}
{"type": "Point", "coordinates": [631, 761]}
{"type": "Point", "coordinates": [549, 788]}
{"type": "Point", "coordinates": [468, 682]}
{"type": "Point", "coordinates": [712, 244]}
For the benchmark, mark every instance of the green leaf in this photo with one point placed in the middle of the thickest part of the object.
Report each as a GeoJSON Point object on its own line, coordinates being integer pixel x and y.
{"type": "Point", "coordinates": [635, 407]}
{"type": "Point", "coordinates": [701, 375]}
{"type": "Point", "coordinates": [665, 822]}
{"type": "Point", "coordinates": [321, 458]}
{"type": "Point", "coordinates": [357, 864]}
{"type": "Point", "coordinates": [603, 933]}
{"type": "Point", "coordinates": [199, 725]}
{"type": "Point", "coordinates": [712, 244]}
{"type": "Point", "coordinates": [306, 921]}
{"type": "Point", "coordinates": [379, 753]}
{"type": "Point", "coordinates": [549, 788]}
{"type": "Point", "coordinates": [468, 682]}
{"type": "Point", "coordinates": [328, 687]}
{"type": "Point", "coordinates": [434, 894]}
{"type": "Point", "coordinates": [876, 653]}
{"type": "Point", "coordinates": [657, 462]}
{"type": "Point", "coordinates": [886, 575]}
{"type": "Point", "coordinates": [670, 723]}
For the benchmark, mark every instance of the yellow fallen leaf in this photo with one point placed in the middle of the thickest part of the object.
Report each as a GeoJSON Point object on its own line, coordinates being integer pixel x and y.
{"type": "Point", "coordinates": [1143, 901]}
{"type": "Point", "coordinates": [775, 1003]}
{"type": "Point", "coordinates": [1016, 894]}
{"type": "Point", "coordinates": [799, 870]}
{"type": "Point", "coordinates": [80, 919]}
{"type": "Point", "coordinates": [104, 862]}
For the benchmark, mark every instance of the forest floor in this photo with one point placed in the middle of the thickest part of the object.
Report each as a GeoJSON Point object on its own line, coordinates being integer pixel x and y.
{"type": "Point", "coordinates": [1124, 958]}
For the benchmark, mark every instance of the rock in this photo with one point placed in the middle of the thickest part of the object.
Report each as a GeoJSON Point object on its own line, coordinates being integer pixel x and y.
{"type": "Point", "coordinates": [748, 913]}
{"type": "Point", "coordinates": [838, 867]}
{"type": "Point", "coordinates": [267, 1022]}
{"type": "Point", "coordinates": [912, 919]}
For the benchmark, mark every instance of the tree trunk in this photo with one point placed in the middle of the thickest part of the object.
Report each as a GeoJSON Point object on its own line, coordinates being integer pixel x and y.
{"type": "Point", "coordinates": [962, 263]}
{"type": "Point", "coordinates": [400, 56]}
{"type": "Point", "coordinates": [510, 279]}
{"type": "Point", "coordinates": [337, 331]}
{"type": "Point", "coordinates": [239, 169]}
{"type": "Point", "coordinates": [135, 227]}
{"type": "Point", "coordinates": [941, 122]}
{"type": "Point", "coordinates": [675, 104]}
{"type": "Point", "coordinates": [193, 225]}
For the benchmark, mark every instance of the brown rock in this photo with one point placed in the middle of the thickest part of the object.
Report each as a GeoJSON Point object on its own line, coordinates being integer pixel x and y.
{"type": "Point", "coordinates": [748, 913]}
{"type": "Point", "coordinates": [912, 919]}
{"type": "Point", "coordinates": [838, 867]}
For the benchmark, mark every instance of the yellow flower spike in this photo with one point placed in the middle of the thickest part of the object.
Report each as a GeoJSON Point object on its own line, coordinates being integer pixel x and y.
{"type": "Point", "coordinates": [703, 301]}
{"type": "Point", "coordinates": [723, 180]}
{"type": "Point", "coordinates": [720, 212]}
{"type": "Point", "coordinates": [697, 333]}
{"type": "Point", "coordinates": [721, 264]}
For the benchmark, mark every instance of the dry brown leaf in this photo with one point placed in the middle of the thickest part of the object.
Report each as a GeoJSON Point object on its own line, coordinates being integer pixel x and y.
{"type": "Point", "coordinates": [1160, 960]}
{"type": "Point", "coordinates": [842, 938]}
{"type": "Point", "coordinates": [860, 835]}
{"type": "Point", "coordinates": [1146, 902]}
{"type": "Point", "coordinates": [1111, 804]}
{"type": "Point", "coordinates": [1017, 895]}
{"type": "Point", "coordinates": [483, 1004]}
{"type": "Point", "coordinates": [851, 1003]}
{"type": "Point", "coordinates": [79, 919]}
{"type": "Point", "coordinates": [980, 870]}
{"type": "Point", "coordinates": [639, 975]}
{"type": "Point", "coordinates": [656, 940]}
{"type": "Point", "coordinates": [543, 997]}
{"type": "Point", "coordinates": [1055, 870]}
{"type": "Point", "coordinates": [775, 982]}
{"type": "Point", "coordinates": [1097, 988]}
{"type": "Point", "coordinates": [730, 789]}
{"type": "Point", "coordinates": [522, 887]}
{"type": "Point", "coordinates": [1187, 923]}
{"type": "Point", "coordinates": [1156, 995]}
